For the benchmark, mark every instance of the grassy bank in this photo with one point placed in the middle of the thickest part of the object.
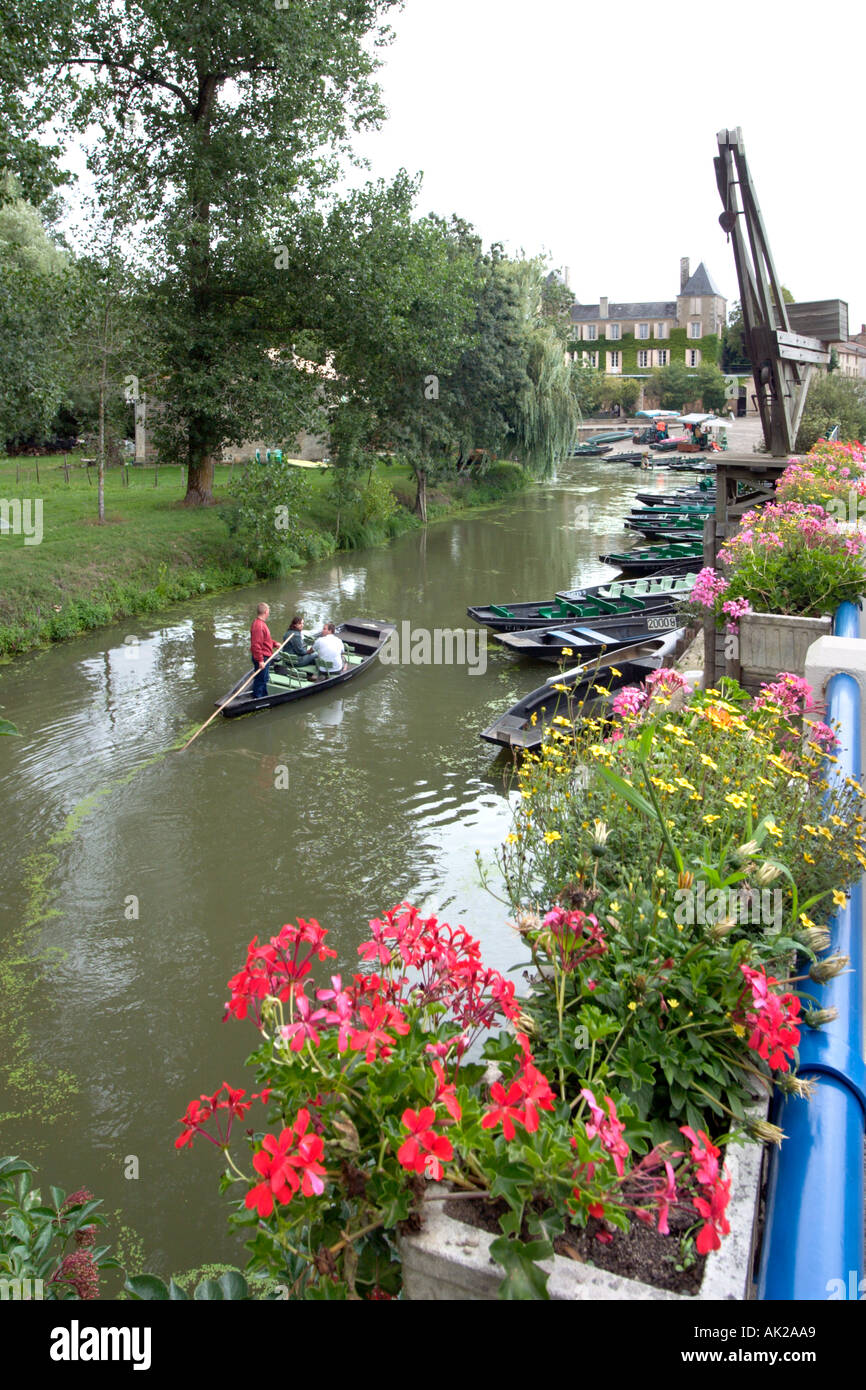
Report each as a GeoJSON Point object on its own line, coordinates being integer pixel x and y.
{"type": "Point", "coordinates": [153, 551]}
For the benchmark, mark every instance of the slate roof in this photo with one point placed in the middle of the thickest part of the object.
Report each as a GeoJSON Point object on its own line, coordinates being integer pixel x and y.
{"type": "Point", "coordinates": [652, 309]}
{"type": "Point", "coordinates": [701, 283]}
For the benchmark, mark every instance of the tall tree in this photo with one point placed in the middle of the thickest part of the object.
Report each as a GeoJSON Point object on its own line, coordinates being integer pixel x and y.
{"type": "Point", "coordinates": [214, 120]}
{"type": "Point", "coordinates": [36, 297]}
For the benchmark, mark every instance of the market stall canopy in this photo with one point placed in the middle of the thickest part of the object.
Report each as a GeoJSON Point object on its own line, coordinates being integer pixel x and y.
{"type": "Point", "coordinates": [655, 414]}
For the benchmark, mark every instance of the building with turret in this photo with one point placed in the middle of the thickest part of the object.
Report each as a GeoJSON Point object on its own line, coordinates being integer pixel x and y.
{"type": "Point", "coordinates": [633, 338]}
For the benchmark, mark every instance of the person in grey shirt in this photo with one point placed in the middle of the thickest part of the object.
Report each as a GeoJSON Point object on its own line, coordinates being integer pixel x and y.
{"type": "Point", "coordinates": [296, 651]}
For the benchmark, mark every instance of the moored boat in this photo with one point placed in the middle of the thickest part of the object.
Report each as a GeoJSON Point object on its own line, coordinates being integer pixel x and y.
{"type": "Point", "coordinates": [513, 617]}
{"type": "Point", "coordinates": [589, 450]}
{"type": "Point", "coordinates": [569, 694]}
{"type": "Point", "coordinates": [688, 527]}
{"type": "Point", "coordinates": [682, 557]}
{"type": "Point", "coordinates": [650, 589]}
{"type": "Point", "coordinates": [362, 641]}
{"type": "Point", "coordinates": [609, 437]}
{"type": "Point", "coordinates": [584, 642]}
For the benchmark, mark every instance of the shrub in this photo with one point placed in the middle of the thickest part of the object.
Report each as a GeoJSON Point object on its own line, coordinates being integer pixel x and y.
{"type": "Point", "coordinates": [266, 518]}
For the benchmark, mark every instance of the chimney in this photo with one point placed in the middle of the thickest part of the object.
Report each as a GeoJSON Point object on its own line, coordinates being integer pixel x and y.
{"type": "Point", "coordinates": [602, 308]}
{"type": "Point", "coordinates": [684, 272]}
{"type": "Point", "coordinates": [567, 277]}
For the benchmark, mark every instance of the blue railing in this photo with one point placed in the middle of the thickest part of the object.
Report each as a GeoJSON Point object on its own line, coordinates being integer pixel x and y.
{"type": "Point", "coordinates": [814, 1228]}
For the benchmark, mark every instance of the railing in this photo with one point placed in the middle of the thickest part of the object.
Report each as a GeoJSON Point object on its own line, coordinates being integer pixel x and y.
{"type": "Point", "coordinates": [814, 1227]}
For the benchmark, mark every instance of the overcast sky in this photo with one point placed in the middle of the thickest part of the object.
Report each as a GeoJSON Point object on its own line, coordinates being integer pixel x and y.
{"type": "Point", "coordinates": [588, 130]}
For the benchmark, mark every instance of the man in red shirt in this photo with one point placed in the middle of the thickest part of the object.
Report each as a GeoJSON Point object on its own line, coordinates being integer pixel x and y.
{"type": "Point", "coordinates": [262, 647]}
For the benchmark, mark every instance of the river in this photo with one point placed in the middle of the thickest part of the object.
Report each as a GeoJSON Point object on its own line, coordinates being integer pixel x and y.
{"type": "Point", "coordinates": [135, 877]}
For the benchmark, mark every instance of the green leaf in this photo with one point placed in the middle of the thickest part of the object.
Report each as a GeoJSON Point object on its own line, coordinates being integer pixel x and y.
{"type": "Point", "coordinates": [146, 1287]}
{"type": "Point", "coordinates": [523, 1278]}
{"type": "Point", "coordinates": [176, 1293]}
{"type": "Point", "coordinates": [208, 1291]}
{"type": "Point", "coordinates": [7, 728]}
{"type": "Point", "coordinates": [626, 790]}
{"type": "Point", "coordinates": [234, 1285]}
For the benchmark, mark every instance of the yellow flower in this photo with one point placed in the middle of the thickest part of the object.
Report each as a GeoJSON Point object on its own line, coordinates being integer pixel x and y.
{"type": "Point", "coordinates": [708, 820]}
{"type": "Point", "coordinates": [734, 799]}
{"type": "Point", "coordinates": [633, 1006]}
{"type": "Point", "coordinates": [807, 921]}
{"type": "Point", "coordinates": [550, 836]}
{"type": "Point", "coordinates": [568, 651]}
{"type": "Point", "coordinates": [809, 860]}
{"type": "Point", "coordinates": [739, 1030]}
{"type": "Point", "coordinates": [673, 1003]}
{"type": "Point", "coordinates": [614, 907]}
{"type": "Point", "coordinates": [839, 898]}
{"type": "Point", "coordinates": [615, 672]}
{"type": "Point", "coordinates": [511, 839]}
{"type": "Point", "coordinates": [708, 762]}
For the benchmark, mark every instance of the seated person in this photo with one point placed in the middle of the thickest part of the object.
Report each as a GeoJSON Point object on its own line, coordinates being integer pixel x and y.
{"type": "Point", "coordinates": [296, 652]}
{"type": "Point", "coordinates": [329, 651]}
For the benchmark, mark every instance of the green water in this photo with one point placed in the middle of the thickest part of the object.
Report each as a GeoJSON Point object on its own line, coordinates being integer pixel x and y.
{"type": "Point", "coordinates": [133, 877]}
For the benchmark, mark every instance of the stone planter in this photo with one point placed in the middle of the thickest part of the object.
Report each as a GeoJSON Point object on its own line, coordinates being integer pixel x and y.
{"type": "Point", "coordinates": [449, 1261]}
{"type": "Point", "coordinates": [774, 642]}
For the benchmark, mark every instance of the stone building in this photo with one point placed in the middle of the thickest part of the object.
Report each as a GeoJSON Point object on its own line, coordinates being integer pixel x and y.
{"type": "Point", "coordinates": [633, 338]}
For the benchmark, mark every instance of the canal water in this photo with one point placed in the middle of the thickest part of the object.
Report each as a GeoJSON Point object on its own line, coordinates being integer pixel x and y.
{"type": "Point", "coordinates": [133, 878]}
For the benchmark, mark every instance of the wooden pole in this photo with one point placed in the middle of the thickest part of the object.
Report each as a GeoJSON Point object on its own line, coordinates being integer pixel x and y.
{"type": "Point", "coordinates": [251, 677]}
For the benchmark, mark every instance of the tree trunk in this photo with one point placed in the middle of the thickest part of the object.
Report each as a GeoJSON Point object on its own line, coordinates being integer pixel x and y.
{"type": "Point", "coordinates": [199, 482]}
{"type": "Point", "coordinates": [100, 466]}
{"type": "Point", "coordinates": [421, 495]}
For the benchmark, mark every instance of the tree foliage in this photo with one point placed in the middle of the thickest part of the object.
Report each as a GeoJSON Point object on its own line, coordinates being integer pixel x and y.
{"type": "Point", "coordinates": [833, 400]}
{"type": "Point", "coordinates": [217, 123]}
{"type": "Point", "coordinates": [36, 297]}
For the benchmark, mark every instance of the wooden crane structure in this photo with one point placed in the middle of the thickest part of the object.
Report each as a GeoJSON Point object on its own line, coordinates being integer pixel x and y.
{"type": "Point", "coordinates": [782, 361]}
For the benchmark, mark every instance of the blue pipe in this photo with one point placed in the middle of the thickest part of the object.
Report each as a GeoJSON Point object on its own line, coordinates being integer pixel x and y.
{"type": "Point", "coordinates": [814, 1227]}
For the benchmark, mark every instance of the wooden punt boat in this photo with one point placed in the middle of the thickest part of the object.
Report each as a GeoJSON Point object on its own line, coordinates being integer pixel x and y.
{"type": "Point", "coordinates": [682, 557]}
{"type": "Point", "coordinates": [524, 725]}
{"type": "Point", "coordinates": [632, 456]}
{"type": "Point", "coordinates": [583, 643]}
{"type": "Point", "coordinates": [687, 527]}
{"type": "Point", "coordinates": [693, 465]}
{"type": "Point", "coordinates": [650, 590]}
{"type": "Point", "coordinates": [609, 437]}
{"type": "Point", "coordinates": [589, 450]}
{"type": "Point", "coordinates": [363, 642]}
{"type": "Point", "coordinates": [514, 617]}
{"type": "Point", "coordinates": [698, 497]}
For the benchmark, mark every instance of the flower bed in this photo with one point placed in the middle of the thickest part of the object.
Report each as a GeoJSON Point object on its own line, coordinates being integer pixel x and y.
{"type": "Point", "coordinates": [787, 557]}
{"type": "Point", "coordinates": [659, 942]}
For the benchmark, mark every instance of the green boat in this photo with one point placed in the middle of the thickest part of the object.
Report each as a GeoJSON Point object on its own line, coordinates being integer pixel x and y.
{"type": "Point", "coordinates": [654, 557]}
{"type": "Point", "coordinates": [649, 589]}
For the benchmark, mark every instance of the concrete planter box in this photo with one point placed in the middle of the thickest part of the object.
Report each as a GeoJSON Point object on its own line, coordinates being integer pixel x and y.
{"type": "Point", "coordinates": [774, 642]}
{"type": "Point", "coordinates": [449, 1261]}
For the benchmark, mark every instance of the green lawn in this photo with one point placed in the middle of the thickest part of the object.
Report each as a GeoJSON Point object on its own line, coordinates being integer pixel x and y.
{"type": "Point", "coordinates": [152, 551]}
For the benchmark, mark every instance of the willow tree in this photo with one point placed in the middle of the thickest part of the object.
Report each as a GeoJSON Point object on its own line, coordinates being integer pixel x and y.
{"type": "Point", "coordinates": [219, 124]}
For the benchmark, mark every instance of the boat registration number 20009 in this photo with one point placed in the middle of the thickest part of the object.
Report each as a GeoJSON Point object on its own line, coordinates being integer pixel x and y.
{"type": "Point", "coordinates": [662, 624]}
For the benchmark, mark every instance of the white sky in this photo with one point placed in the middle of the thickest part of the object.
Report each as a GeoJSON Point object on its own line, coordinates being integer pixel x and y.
{"type": "Point", "coordinates": [587, 128]}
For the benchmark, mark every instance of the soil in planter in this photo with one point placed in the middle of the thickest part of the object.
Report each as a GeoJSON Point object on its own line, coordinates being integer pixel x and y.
{"type": "Point", "coordinates": [639, 1253]}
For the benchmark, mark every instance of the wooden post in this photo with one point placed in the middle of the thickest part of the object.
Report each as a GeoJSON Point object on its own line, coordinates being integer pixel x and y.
{"type": "Point", "coordinates": [37, 469]}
